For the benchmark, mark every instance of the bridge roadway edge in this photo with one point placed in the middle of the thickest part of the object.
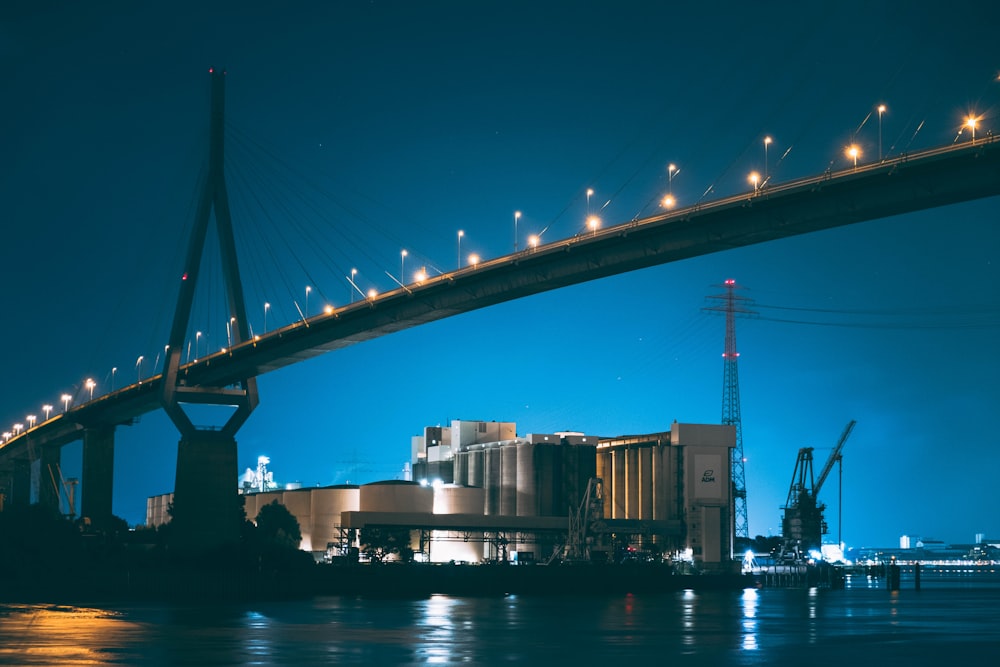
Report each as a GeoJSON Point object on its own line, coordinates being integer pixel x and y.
{"type": "Point", "coordinates": [930, 179]}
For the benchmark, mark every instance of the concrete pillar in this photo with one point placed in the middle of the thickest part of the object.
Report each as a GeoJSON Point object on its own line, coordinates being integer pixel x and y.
{"type": "Point", "coordinates": [20, 491]}
{"type": "Point", "coordinates": [207, 511]}
{"type": "Point", "coordinates": [98, 474]}
{"type": "Point", "coordinates": [49, 478]}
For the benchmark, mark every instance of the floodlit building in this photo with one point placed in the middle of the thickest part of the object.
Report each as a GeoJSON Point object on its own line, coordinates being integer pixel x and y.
{"type": "Point", "coordinates": [483, 493]}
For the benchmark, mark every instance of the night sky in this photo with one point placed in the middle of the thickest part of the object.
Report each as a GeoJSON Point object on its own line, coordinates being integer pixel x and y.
{"type": "Point", "coordinates": [359, 129]}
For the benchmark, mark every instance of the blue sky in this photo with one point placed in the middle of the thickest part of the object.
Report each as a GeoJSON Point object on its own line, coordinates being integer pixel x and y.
{"type": "Point", "coordinates": [359, 129]}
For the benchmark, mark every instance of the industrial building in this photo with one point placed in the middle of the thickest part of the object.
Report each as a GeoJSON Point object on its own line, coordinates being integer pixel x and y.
{"type": "Point", "coordinates": [481, 493]}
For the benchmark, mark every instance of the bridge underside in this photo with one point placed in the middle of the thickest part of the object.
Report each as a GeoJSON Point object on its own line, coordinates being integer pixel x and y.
{"type": "Point", "coordinates": [931, 179]}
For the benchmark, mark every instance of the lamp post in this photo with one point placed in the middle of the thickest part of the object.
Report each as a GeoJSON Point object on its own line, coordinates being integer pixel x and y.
{"type": "Point", "coordinates": [18, 428]}
{"type": "Point", "coordinates": [114, 371]}
{"type": "Point", "coordinates": [767, 142]}
{"type": "Point", "coordinates": [31, 421]}
{"type": "Point", "coordinates": [594, 222]}
{"type": "Point", "coordinates": [402, 259]}
{"type": "Point", "coordinates": [590, 192]}
{"type": "Point", "coordinates": [197, 344]}
{"type": "Point", "coordinates": [881, 110]}
{"type": "Point", "coordinates": [517, 216]}
{"type": "Point", "coordinates": [853, 152]}
{"type": "Point", "coordinates": [533, 241]}
{"type": "Point", "coordinates": [308, 289]}
{"type": "Point", "coordinates": [66, 398]}
{"type": "Point", "coordinates": [90, 384]}
{"type": "Point", "coordinates": [267, 307]}
{"type": "Point", "coordinates": [671, 170]}
{"type": "Point", "coordinates": [138, 368]}
{"type": "Point", "coordinates": [971, 123]}
{"type": "Point", "coordinates": [354, 272]}
{"type": "Point", "coordinates": [755, 179]}
{"type": "Point", "coordinates": [460, 235]}
{"type": "Point", "coordinates": [474, 260]}
{"type": "Point", "coordinates": [47, 409]}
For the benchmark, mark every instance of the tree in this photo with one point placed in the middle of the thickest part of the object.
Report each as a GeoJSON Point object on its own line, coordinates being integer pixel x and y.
{"type": "Point", "coordinates": [277, 527]}
{"type": "Point", "coordinates": [379, 543]}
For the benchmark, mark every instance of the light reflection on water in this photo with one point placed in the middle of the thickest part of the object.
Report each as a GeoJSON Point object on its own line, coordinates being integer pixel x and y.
{"type": "Point", "coordinates": [751, 627]}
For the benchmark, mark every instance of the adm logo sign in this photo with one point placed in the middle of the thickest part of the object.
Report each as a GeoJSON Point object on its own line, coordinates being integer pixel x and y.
{"type": "Point", "coordinates": [708, 475]}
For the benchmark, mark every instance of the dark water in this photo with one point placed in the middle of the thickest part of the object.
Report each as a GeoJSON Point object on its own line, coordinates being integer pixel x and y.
{"type": "Point", "coordinates": [755, 627]}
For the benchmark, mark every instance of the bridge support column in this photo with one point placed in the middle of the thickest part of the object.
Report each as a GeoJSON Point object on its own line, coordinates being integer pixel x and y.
{"type": "Point", "coordinates": [20, 484]}
{"type": "Point", "coordinates": [48, 477]}
{"type": "Point", "coordinates": [98, 474]}
{"type": "Point", "coordinates": [206, 502]}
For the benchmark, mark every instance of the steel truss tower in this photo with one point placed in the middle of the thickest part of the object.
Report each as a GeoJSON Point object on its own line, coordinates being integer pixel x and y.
{"type": "Point", "coordinates": [731, 304]}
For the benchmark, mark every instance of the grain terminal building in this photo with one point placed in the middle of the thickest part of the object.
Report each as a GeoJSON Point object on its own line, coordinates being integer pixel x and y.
{"type": "Point", "coordinates": [482, 493]}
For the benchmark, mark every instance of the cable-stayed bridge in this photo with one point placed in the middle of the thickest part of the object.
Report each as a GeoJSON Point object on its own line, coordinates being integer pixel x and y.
{"type": "Point", "coordinates": [922, 180]}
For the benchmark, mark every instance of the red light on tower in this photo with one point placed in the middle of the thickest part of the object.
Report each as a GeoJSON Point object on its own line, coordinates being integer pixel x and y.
{"type": "Point", "coordinates": [184, 277]}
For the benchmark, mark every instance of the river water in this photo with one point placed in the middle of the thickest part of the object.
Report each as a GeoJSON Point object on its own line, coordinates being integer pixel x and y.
{"type": "Point", "coordinates": [807, 627]}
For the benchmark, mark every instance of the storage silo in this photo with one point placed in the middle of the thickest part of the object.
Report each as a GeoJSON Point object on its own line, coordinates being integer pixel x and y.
{"type": "Point", "coordinates": [527, 484]}
{"type": "Point", "coordinates": [327, 504]}
{"type": "Point", "coordinates": [299, 503]}
{"type": "Point", "coordinates": [491, 479]}
{"type": "Point", "coordinates": [396, 496]}
{"type": "Point", "coordinates": [461, 470]}
{"type": "Point", "coordinates": [508, 480]}
{"type": "Point", "coordinates": [476, 464]}
{"type": "Point", "coordinates": [454, 499]}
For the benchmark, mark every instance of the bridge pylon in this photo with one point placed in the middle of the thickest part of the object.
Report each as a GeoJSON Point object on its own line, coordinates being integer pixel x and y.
{"type": "Point", "coordinates": [206, 502]}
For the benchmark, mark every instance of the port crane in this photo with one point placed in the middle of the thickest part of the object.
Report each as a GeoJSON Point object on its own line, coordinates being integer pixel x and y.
{"type": "Point", "coordinates": [803, 524]}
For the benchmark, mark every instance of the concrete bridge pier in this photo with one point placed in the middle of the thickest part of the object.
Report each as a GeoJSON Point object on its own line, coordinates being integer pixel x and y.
{"type": "Point", "coordinates": [206, 502]}
{"type": "Point", "coordinates": [98, 474]}
{"type": "Point", "coordinates": [19, 491]}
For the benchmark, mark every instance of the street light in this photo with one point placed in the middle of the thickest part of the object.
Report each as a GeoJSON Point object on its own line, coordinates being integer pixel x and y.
{"type": "Point", "coordinates": [354, 272]}
{"type": "Point", "coordinates": [668, 202]}
{"type": "Point", "coordinates": [308, 289]}
{"type": "Point", "coordinates": [881, 110]}
{"type": "Point", "coordinates": [372, 293]}
{"type": "Point", "coordinates": [460, 235]}
{"type": "Point", "coordinates": [517, 216]}
{"type": "Point", "coordinates": [589, 193]}
{"type": "Point", "coordinates": [755, 179]}
{"type": "Point", "coordinates": [533, 240]}
{"type": "Point", "coordinates": [267, 307]}
{"type": "Point", "coordinates": [671, 170]}
{"type": "Point", "coordinates": [767, 142]}
{"type": "Point", "coordinates": [114, 370]}
{"type": "Point", "coordinates": [47, 409]}
{"type": "Point", "coordinates": [66, 398]}
{"type": "Point", "coordinates": [853, 152]}
{"type": "Point", "coordinates": [197, 347]}
{"type": "Point", "coordinates": [18, 428]}
{"type": "Point", "coordinates": [31, 421]}
{"type": "Point", "coordinates": [420, 276]}
{"type": "Point", "coordinates": [138, 368]}
{"type": "Point", "coordinates": [90, 384]}
{"type": "Point", "coordinates": [402, 258]}
{"type": "Point", "coordinates": [971, 123]}
{"type": "Point", "coordinates": [473, 260]}
{"type": "Point", "coordinates": [594, 222]}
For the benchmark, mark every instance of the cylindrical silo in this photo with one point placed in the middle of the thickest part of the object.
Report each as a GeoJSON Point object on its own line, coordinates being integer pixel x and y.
{"type": "Point", "coordinates": [508, 480]}
{"type": "Point", "coordinates": [397, 496]}
{"type": "Point", "coordinates": [327, 504]}
{"type": "Point", "coordinates": [527, 497]}
{"type": "Point", "coordinates": [491, 479]}
{"type": "Point", "coordinates": [299, 504]}
{"type": "Point", "coordinates": [476, 464]}
{"type": "Point", "coordinates": [461, 471]}
{"type": "Point", "coordinates": [454, 499]}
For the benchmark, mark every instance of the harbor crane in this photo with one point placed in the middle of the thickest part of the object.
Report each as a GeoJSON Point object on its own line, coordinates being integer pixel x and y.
{"type": "Point", "coordinates": [803, 524]}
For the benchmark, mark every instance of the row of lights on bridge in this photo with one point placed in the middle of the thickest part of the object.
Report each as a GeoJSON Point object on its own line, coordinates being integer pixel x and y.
{"type": "Point", "coordinates": [593, 223]}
